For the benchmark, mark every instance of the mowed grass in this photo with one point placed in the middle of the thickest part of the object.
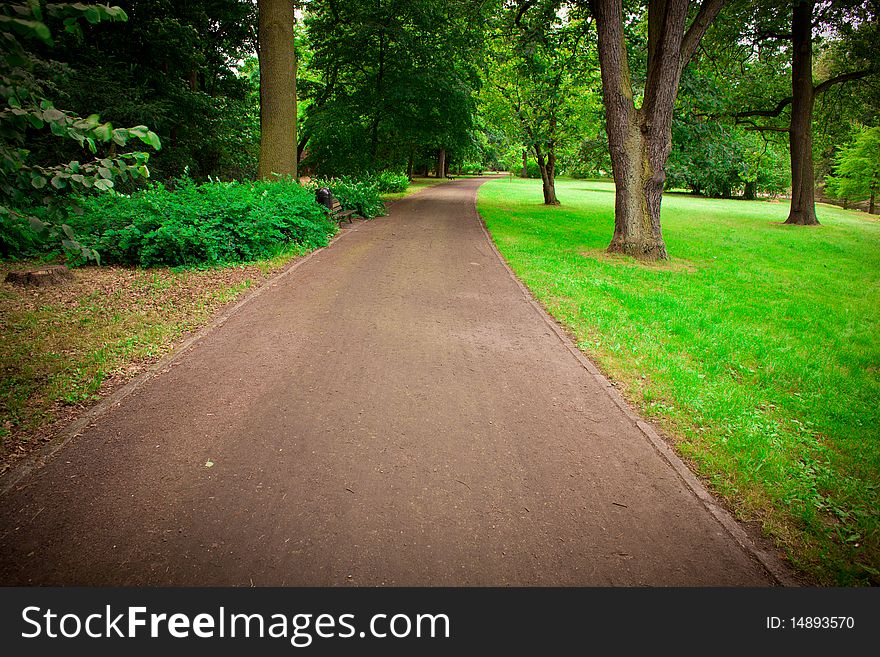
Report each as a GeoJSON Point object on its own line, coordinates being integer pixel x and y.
{"type": "Point", "coordinates": [756, 348]}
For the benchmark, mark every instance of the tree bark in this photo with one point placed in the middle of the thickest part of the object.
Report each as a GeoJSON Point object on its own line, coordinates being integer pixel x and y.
{"type": "Point", "coordinates": [441, 163]}
{"type": "Point", "coordinates": [409, 163]}
{"type": "Point", "coordinates": [871, 202]}
{"type": "Point", "coordinates": [547, 167]}
{"type": "Point", "coordinates": [751, 191]}
{"type": "Point", "coordinates": [525, 167]}
{"type": "Point", "coordinates": [640, 139]}
{"type": "Point", "coordinates": [800, 136]}
{"type": "Point", "coordinates": [278, 147]}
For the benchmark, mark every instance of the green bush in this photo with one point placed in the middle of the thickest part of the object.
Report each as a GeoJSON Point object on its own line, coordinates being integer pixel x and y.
{"type": "Point", "coordinates": [204, 224]}
{"type": "Point", "coordinates": [391, 183]}
{"type": "Point", "coordinates": [360, 194]}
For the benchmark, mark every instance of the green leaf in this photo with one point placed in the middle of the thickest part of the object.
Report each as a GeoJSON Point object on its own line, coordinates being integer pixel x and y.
{"type": "Point", "coordinates": [104, 172]}
{"type": "Point", "coordinates": [53, 115]}
{"type": "Point", "coordinates": [14, 102]}
{"type": "Point", "coordinates": [87, 123]}
{"type": "Point", "coordinates": [58, 182]}
{"type": "Point", "coordinates": [37, 225]}
{"type": "Point", "coordinates": [104, 132]}
{"type": "Point", "coordinates": [91, 143]}
{"type": "Point", "coordinates": [153, 140]}
{"type": "Point", "coordinates": [38, 181]}
{"type": "Point", "coordinates": [68, 231]}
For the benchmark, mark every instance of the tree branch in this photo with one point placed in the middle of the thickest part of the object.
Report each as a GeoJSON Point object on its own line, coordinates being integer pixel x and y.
{"type": "Point", "coordinates": [754, 127]}
{"type": "Point", "coordinates": [838, 79]}
{"type": "Point", "coordinates": [776, 111]}
{"type": "Point", "coordinates": [707, 13]}
{"type": "Point", "coordinates": [524, 6]}
{"type": "Point", "coordinates": [818, 89]}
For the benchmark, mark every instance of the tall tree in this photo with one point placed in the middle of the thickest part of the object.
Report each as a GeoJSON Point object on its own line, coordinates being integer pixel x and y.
{"type": "Point", "coordinates": [857, 170]}
{"type": "Point", "coordinates": [639, 138]}
{"type": "Point", "coordinates": [541, 70]}
{"type": "Point", "coordinates": [278, 147]}
{"type": "Point", "coordinates": [804, 18]}
{"type": "Point", "coordinates": [393, 82]}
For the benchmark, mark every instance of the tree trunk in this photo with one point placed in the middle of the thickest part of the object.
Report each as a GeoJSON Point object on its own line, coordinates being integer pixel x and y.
{"type": "Point", "coordinates": [640, 139]}
{"type": "Point", "coordinates": [871, 202]}
{"type": "Point", "coordinates": [547, 167]}
{"type": "Point", "coordinates": [800, 136]}
{"type": "Point", "coordinates": [751, 191]}
{"type": "Point", "coordinates": [525, 167]}
{"type": "Point", "coordinates": [409, 163]}
{"type": "Point", "coordinates": [277, 89]}
{"type": "Point", "coordinates": [441, 163]}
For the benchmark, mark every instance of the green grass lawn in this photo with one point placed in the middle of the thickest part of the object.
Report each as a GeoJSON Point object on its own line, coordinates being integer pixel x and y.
{"type": "Point", "coordinates": [756, 348]}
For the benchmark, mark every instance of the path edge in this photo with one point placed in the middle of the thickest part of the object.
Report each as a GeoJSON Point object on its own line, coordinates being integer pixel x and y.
{"type": "Point", "coordinates": [775, 567]}
{"type": "Point", "coordinates": [37, 459]}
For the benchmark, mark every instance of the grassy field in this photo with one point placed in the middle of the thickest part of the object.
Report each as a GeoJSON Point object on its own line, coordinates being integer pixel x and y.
{"type": "Point", "coordinates": [756, 348]}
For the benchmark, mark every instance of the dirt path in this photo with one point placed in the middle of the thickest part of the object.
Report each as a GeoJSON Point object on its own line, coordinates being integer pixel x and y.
{"type": "Point", "coordinates": [392, 412]}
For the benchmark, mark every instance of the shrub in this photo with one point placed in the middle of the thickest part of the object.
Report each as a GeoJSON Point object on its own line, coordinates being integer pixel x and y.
{"type": "Point", "coordinates": [360, 194]}
{"type": "Point", "coordinates": [205, 224]}
{"type": "Point", "coordinates": [391, 183]}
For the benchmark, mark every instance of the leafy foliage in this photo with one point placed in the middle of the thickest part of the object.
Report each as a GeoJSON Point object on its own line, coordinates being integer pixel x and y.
{"type": "Point", "coordinates": [360, 194]}
{"type": "Point", "coordinates": [32, 189]}
{"type": "Point", "coordinates": [390, 183]}
{"type": "Point", "coordinates": [202, 224]}
{"type": "Point", "coordinates": [857, 168]}
{"type": "Point", "coordinates": [387, 83]}
{"type": "Point", "coordinates": [177, 67]}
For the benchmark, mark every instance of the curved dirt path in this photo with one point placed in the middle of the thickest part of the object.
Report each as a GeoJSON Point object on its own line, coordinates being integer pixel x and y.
{"type": "Point", "coordinates": [394, 412]}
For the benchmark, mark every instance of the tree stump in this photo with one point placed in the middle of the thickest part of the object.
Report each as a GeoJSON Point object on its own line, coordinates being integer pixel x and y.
{"type": "Point", "coordinates": [51, 275]}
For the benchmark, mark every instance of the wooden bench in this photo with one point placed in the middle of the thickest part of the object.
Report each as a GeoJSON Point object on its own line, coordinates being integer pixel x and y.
{"type": "Point", "coordinates": [337, 213]}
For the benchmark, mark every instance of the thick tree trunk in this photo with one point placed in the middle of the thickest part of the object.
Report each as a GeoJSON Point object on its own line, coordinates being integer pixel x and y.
{"type": "Point", "coordinates": [640, 139]}
{"type": "Point", "coordinates": [547, 167]}
{"type": "Point", "coordinates": [639, 193]}
{"type": "Point", "coordinates": [278, 148]}
{"type": "Point", "coordinates": [751, 191]}
{"type": "Point", "coordinates": [525, 167]}
{"type": "Point", "coordinates": [800, 136]}
{"type": "Point", "coordinates": [409, 164]}
{"type": "Point", "coordinates": [441, 163]}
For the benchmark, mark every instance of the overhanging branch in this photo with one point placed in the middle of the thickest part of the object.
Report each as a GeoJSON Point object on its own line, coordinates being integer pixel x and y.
{"type": "Point", "coordinates": [776, 111]}
{"type": "Point", "coordinates": [707, 13]}
{"type": "Point", "coordinates": [838, 79]}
